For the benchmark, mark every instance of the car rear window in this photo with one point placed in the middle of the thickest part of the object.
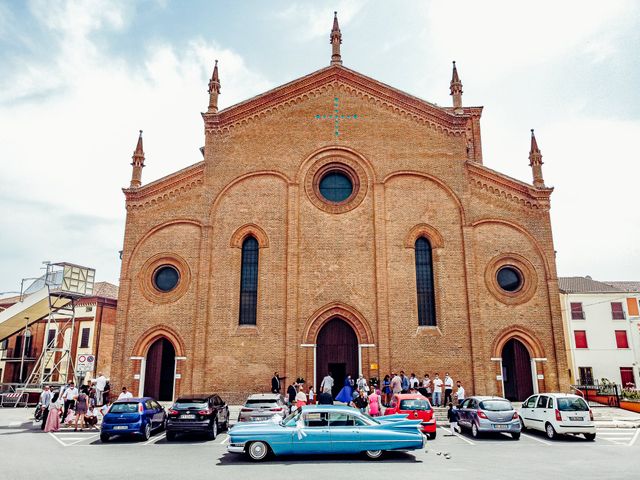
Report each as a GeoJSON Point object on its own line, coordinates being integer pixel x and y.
{"type": "Point", "coordinates": [124, 408]}
{"type": "Point", "coordinates": [192, 403]}
{"type": "Point", "coordinates": [572, 405]}
{"type": "Point", "coordinates": [495, 405]}
{"type": "Point", "coordinates": [414, 404]}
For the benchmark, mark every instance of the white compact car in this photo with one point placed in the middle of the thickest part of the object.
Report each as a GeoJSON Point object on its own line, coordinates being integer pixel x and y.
{"type": "Point", "coordinates": [558, 413]}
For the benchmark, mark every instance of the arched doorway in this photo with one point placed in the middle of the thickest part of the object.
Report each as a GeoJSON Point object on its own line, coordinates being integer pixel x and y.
{"type": "Point", "coordinates": [516, 371]}
{"type": "Point", "coordinates": [337, 352]}
{"type": "Point", "coordinates": [160, 370]}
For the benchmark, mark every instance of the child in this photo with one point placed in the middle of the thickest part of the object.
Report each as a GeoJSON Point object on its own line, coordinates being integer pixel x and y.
{"type": "Point", "coordinates": [453, 416]}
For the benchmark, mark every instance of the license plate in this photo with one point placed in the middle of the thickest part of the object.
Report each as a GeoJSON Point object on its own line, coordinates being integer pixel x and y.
{"type": "Point", "coordinates": [259, 419]}
{"type": "Point", "coordinates": [187, 417]}
{"type": "Point", "coordinates": [120, 427]}
{"type": "Point", "coordinates": [575, 419]}
{"type": "Point", "coordinates": [500, 427]}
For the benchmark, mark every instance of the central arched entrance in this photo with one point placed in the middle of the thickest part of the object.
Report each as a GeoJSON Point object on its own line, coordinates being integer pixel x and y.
{"type": "Point", "coordinates": [159, 371]}
{"type": "Point", "coordinates": [337, 352]}
{"type": "Point", "coordinates": [516, 371]}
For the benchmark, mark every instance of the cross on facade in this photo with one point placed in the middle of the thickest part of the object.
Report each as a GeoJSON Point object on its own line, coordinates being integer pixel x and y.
{"type": "Point", "coordinates": [336, 117]}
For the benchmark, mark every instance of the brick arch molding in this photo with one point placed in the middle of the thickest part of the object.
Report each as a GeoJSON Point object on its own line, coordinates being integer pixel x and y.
{"type": "Point", "coordinates": [249, 229]}
{"type": "Point", "coordinates": [155, 229]}
{"type": "Point", "coordinates": [154, 333]}
{"type": "Point", "coordinates": [427, 231]}
{"type": "Point", "coordinates": [524, 335]}
{"type": "Point", "coordinates": [338, 150]}
{"type": "Point", "coordinates": [349, 314]}
{"type": "Point", "coordinates": [440, 183]}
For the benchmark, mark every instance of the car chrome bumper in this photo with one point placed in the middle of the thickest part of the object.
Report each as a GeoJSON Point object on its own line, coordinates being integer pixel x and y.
{"type": "Point", "coordinates": [235, 448]}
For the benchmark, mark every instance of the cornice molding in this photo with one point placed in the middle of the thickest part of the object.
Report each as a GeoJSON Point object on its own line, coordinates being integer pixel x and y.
{"type": "Point", "coordinates": [333, 77]}
{"type": "Point", "coordinates": [508, 188]}
{"type": "Point", "coordinates": [165, 188]}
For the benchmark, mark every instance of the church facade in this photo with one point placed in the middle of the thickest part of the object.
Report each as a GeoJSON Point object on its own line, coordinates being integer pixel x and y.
{"type": "Point", "coordinates": [338, 224]}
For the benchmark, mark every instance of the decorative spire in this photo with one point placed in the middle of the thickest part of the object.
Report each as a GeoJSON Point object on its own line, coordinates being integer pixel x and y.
{"type": "Point", "coordinates": [335, 40]}
{"type": "Point", "coordinates": [456, 88]}
{"type": "Point", "coordinates": [138, 164]}
{"type": "Point", "coordinates": [214, 90]}
{"type": "Point", "coordinates": [535, 162]}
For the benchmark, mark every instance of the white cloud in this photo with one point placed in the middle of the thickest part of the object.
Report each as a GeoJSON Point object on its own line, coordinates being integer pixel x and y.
{"type": "Point", "coordinates": [311, 20]}
{"type": "Point", "coordinates": [71, 149]}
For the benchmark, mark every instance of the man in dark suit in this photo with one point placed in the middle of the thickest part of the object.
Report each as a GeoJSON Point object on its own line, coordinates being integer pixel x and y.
{"type": "Point", "coordinates": [275, 383]}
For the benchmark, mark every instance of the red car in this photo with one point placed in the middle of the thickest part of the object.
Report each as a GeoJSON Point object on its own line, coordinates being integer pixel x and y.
{"type": "Point", "coordinates": [414, 406]}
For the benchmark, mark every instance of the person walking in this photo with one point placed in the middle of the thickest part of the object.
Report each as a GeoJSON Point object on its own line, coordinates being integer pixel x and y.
{"type": "Point", "coordinates": [448, 388]}
{"type": "Point", "coordinates": [460, 393]}
{"type": "Point", "coordinates": [301, 397]}
{"type": "Point", "coordinates": [346, 393]}
{"type": "Point", "coordinates": [453, 415]}
{"type": "Point", "coordinates": [362, 383]}
{"type": "Point", "coordinates": [327, 384]}
{"type": "Point", "coordinates": [45, 400]}
{"type": "Point", "coordinates": [69, 397]}
{"type": "Point", "coordinates": [437, 391]}
{"type": "Point", "coordinates": [374, 402]}
{"type": "Point", "coordinates": [82, 405]}
{"type": "Point", "coordinates": [361, 402]}
{"type": "Point", "coordinates": [292, 391]}
{"type": "Point", "coordinates": [101, 383]}
{"type": "Point", "coordinates": [53, 417]}
{"type": "Point", "coordinates": [386, 390]}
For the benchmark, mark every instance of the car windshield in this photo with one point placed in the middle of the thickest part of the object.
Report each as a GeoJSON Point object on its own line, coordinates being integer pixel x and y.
{"type": "Point", "coordinates": [291, 419]}
{"type": "Point", "coordinates": [260, 402]}
{"type": "Point", "coordinates": [124, 408]}
{"type": "Point", "coordinates": [496, 405]}
{"type": "Point", "coordinates": [414, 404]}
{"type": "Point", "coordinates": [190, 403]}
{"type": "Point", "coordinates": [572, 405]}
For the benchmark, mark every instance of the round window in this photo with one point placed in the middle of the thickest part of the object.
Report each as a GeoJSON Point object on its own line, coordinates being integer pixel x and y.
{"type": "Point", "coordinates": [166, 278]}
{"type": "Point", "coordinates": [335, 186]}
{"type": "Point", "coordinates": [509, 278]}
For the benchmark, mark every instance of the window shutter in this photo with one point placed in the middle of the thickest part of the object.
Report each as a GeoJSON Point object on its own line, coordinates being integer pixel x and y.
{"type": "Point", "coordinates": [617, 313]}
{"type": "Point", "coordinates": [84, 342]}
{"type": "Point", "coordinates": [632, 307]}
{"type": "Point", "coordinates": [581, 338]}
{"type": "Point", "coordinates": [621, 339]}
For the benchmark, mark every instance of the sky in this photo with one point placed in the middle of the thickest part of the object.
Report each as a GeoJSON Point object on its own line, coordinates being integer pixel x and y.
{"type": "Point", "coordinates": [78, 79]}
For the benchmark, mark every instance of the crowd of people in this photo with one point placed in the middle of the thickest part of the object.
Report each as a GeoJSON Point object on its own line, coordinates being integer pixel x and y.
{"type": "Point", "coordinates": [79, 408]}
{"type": "Point", "coordinates": [370, 397]}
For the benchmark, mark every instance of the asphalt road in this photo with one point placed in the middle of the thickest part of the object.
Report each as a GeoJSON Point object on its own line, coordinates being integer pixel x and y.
{"type": "Point", "coordinates": [27, 453]}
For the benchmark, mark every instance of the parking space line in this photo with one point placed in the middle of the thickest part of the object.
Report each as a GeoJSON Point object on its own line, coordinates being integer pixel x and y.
{"type": "Point", "coordinates": [635, 437]}
{"type": "Point", "coordinates": [155, 439]}
{"type": "Point", "coordinates": [224, 440]}
{"type": "Point", "coordinates": [57, 439]}
{"type": "Point", "coordinates": [459, 436]}
{"type": "Point", "coordinates": [83, 439]}
{"type": "Point", "coordinates": [536, 439]}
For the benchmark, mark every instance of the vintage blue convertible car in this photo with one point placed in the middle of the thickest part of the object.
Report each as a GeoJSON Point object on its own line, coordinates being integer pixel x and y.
{"type": "Point", "coordinates": [326, 429]}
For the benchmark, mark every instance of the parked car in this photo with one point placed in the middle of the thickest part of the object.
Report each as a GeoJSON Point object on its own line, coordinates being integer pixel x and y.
{"type": "Point", "coordinates": [489, 414]}
{"type": "Point", "coordinates": [414, 406]}
{"type": "Point", "coordinates": [197, 413]}
{"type": "Point", "coordinates": [262, 406]}
{"type": "Point", "coordinates": [133, 416]}
{"type": "Point", "coordinates": [322, 429]}
{"type": "Point", "coordinates": [558, 413]}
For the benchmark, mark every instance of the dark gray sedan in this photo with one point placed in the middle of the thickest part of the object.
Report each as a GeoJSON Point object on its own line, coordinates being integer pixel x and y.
{"type": "Point", "coordinates": [489, 414]}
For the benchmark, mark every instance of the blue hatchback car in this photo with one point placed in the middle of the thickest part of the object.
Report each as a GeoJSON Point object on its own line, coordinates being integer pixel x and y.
{"type": "Point", "coordinates": [133, 416]}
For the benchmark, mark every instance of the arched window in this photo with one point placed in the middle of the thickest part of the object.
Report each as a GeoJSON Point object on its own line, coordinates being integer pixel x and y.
{"type": "Point", "coordinates": [424, 283]}
{"type": "Point", "coordinates": [249, 281]}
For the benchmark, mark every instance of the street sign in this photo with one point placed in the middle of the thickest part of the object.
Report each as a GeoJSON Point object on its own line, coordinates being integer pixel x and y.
{"type": "Point", "coordinates": [85, 363]}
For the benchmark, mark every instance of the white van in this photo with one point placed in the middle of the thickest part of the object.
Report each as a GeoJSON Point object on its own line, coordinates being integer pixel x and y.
{"type": "Point", "coordinates": [558, 413]}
